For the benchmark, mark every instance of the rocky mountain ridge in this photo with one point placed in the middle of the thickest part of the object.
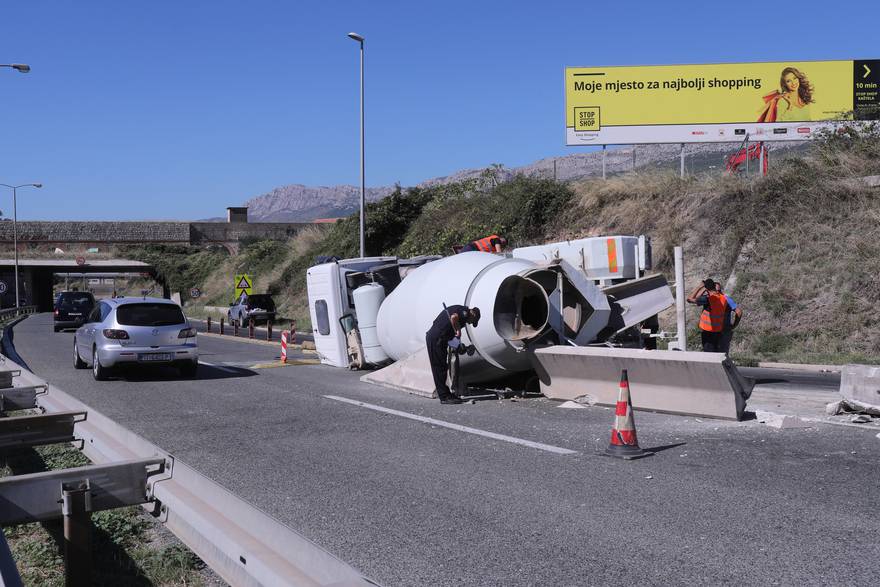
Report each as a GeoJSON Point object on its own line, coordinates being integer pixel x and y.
{"type": "Point", "coordinates": [301, 203]}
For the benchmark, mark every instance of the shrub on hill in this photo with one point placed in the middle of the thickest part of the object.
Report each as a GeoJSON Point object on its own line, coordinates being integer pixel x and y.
{"type": "Point", "coordinates": [181, 267]}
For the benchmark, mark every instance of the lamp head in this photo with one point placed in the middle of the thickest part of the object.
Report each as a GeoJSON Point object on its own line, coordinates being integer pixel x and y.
{"type": "Point", "coordinates": [21, 67]}
{"type": "Point", "coordinates": [37, 185]}
{"type": "Point", "coordinates": [356, 37]}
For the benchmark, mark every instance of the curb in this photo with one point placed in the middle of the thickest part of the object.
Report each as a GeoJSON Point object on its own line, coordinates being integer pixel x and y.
{"type": "Point", "coordinates": [802, 367]}
{"type": "Point", "coordinates": [8, 346]}
{"type": "Point", "coordinates": [275, 343]}
{"type": "Point", "coordinates": [260, 331]}
{"type": "Point", "coordinates": [289, 363]}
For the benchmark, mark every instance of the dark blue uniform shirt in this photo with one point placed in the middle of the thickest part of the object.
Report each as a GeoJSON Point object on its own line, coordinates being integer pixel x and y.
{"type": "Point", "coordinates": [442, 327]}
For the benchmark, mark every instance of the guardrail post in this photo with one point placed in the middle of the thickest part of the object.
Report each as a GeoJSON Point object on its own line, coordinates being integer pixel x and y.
{"type": "Point", "coordinates": [269, 330]}
{"type": "Point", "coordinates": [221, 325]}
{"type": "Point", "coordinates": [209, 323]}
{"type": "Point", "coordinates": [291, 339]}
{"type": "Point", "coordinates": [235, 327]}
{"type": "Point", "coordinates": [250, 327]}
{"type": "Point", "coordinates": [75, 507]}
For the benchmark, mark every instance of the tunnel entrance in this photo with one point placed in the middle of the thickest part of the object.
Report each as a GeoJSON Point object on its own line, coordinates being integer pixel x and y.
{"type": "Point", "coordinates": [36, 278]}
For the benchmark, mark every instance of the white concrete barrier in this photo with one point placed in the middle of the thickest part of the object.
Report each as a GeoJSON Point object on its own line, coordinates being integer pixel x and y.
{"type": "Point", "coordinates": [676, 382]}
{"type": "Point", "coordinates": [411, 374]}
{"type": "Point", "coordinates": [861, 383]}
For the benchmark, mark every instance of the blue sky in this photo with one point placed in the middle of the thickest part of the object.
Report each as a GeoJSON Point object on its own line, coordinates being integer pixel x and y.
{"type": "Point", "coordinates": [177, 109]}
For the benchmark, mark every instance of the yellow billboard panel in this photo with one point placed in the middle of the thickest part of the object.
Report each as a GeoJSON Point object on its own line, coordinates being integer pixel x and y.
{"type": "Point", "coordinates": [716, 102]}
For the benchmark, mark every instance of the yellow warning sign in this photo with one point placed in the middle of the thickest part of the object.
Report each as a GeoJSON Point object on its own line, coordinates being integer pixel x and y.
{"type": "Point", "coordinates": [243, 284]}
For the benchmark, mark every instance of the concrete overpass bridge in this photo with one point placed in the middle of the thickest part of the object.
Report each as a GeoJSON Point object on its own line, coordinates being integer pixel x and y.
{"type": "Point", "coordinates": [46, 235]}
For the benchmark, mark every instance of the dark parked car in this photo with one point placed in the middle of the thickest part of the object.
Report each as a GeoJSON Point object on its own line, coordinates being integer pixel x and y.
{"type": "Point", "coordinates": [72, 308]}
{"type": "Point", "coordinates": [260, 307]}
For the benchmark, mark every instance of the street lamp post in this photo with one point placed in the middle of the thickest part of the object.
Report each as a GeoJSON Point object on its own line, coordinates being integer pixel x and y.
{"type": "Point", "coordinates": [19, 67]}
{"type": "Point", "coordinates": [15, 227]}
{"type": "Point", "coordinates": [360, 39]}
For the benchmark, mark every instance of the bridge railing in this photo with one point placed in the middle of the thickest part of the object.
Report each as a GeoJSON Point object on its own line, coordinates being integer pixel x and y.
{"type": "Point", "coordinates": [10, 314]}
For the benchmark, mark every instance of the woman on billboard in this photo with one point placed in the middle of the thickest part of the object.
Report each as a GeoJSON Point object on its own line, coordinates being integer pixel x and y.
{"type": "Point", "coordinates": [791, 103]}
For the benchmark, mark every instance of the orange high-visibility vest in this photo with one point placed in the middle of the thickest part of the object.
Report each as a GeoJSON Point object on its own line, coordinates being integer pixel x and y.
{"type": "Point", "coordinates": [712, 318]}
{"type": "Point", "coordinates": [485, 244]}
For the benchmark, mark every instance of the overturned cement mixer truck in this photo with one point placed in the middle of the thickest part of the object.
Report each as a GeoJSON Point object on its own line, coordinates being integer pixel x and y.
{"type": "Point", "coordinates": [589, 293]}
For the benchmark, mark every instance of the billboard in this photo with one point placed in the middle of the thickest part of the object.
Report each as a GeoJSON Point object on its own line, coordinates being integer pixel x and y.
{"type": "Point", "coordinates": [785, 100]}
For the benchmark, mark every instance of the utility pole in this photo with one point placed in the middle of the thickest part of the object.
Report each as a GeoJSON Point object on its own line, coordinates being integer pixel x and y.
{"type": "Point", "coordinates": [682, 160]}
{"type": "Point", "coordinates": [747, 155]}
{"type": "Point", "coordinates": [603, 161]}
{"type": "Point", "coordinates": [360, 39]}
{"type": "Point", "coordinates": [681, 327]}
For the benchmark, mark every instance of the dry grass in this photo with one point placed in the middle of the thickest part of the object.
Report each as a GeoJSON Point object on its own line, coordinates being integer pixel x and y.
{"type": "Point", "coordinates": [307, 239]}
{"type": "Point", "coordinates": [800, 246]}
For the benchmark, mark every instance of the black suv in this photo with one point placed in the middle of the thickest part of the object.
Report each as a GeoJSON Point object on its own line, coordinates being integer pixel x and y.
{"type": "Point", "coordinates": [72, 308]}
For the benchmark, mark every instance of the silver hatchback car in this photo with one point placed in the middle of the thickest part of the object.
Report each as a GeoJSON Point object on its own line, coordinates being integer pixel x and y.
{"type": "Point", "coordinates": [127, 331]}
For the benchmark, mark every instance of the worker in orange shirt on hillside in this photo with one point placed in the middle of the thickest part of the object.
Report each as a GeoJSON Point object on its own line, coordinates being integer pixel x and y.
{"type": "Point", "coordinates": [714, 305]}
{"type": "Point", "coordinates": [490, 244]}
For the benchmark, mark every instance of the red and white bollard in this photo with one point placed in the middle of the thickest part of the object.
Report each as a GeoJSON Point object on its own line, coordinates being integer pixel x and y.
{"type": "Point", "coordinates": [284, 346]}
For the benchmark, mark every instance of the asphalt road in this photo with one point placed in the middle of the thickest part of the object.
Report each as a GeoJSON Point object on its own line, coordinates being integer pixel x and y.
{"type": "Point", "coordinates": [410, 502]}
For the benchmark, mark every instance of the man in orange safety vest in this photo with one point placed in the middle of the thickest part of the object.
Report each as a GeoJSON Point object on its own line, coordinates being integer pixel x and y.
{"type": "Point", "coordinates": [491, 244]}
{"type": "Point", "coordinates": [714, 305]}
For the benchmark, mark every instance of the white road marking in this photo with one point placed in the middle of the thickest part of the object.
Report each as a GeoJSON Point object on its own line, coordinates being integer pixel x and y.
{"type": "Point", "coordinates": [216, 366]}
{"type": "Point", "coordinates": [459, 427]}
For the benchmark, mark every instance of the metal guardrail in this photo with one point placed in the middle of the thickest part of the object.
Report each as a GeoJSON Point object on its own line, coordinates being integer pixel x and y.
{"type": "Point", "coordinates": [13, 313]}
{"type": "Point", "coordinates": [34, 497]}
{"type": "Point", "coordinates": [9, 576]}
{"type": "Point", "coordinates": [239, 542]}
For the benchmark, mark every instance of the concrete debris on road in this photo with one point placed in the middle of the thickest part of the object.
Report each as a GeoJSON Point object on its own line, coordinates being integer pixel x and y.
{"type": "Point", "coordinates": [851, 406]}
{"type": "Point", "coordinates": [572, 405]}
{"type": "Point", "coordinates": [781, 421]}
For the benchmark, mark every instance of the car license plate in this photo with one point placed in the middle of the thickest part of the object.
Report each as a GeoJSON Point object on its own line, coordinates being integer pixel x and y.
{"type": "Point", "coordinates": [154, 357]}
{"type": "Point", "coordinates": [73, 314]}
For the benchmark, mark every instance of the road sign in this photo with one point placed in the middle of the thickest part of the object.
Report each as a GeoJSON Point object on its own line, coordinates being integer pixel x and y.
{"type": "Point", "coordinates": [3, 287]}
{"type": "Point", "coordinates": [195, 293]}
{"type": "Point", "coordinates": [80, 260]}
{"type": "Point", "coordinates": [243, 284]}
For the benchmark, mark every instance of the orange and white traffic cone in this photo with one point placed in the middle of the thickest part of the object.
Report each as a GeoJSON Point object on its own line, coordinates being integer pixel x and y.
{"type": "Point", "coordinates": [624, 443]}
